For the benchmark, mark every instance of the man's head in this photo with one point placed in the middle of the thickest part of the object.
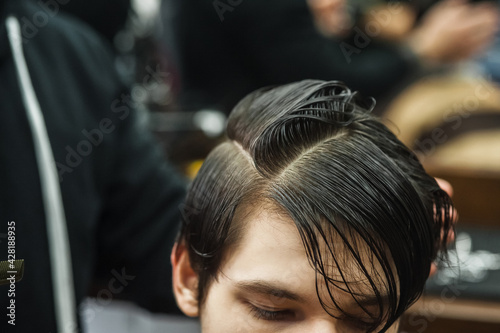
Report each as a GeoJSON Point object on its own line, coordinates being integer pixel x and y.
{"type": "Point", "coordinates": [311, 216]}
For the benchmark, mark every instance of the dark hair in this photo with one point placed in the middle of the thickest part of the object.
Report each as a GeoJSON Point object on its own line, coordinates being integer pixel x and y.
{"type": "Point", "coordinates": [313, 149]}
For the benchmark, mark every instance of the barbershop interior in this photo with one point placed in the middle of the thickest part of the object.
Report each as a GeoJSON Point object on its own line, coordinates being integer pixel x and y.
{"type": "Point", "coordinates": [123, 120]}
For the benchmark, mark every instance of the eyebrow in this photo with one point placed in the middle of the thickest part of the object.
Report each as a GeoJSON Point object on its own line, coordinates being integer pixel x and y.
{"type": "Point", "coordinates": [268, 288]}
{"type": "Point", "coordinates": [275, 288]}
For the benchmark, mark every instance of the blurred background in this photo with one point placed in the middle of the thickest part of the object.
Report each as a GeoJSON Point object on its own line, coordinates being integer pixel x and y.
{"type": "Point", "coordinates": [433, 66]}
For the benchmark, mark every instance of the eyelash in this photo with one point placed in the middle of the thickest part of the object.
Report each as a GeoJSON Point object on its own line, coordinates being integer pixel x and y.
{"type": "Point", "coordinates": [263, 314]}
{"type": "Point", "coordinates": [359, 324]}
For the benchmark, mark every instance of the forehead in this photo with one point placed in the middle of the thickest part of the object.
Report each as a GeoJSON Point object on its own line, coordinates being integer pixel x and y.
{"type": "Point", "coordinates": [269, 245]}
{"type": "Point", "coordinates": [271, 249]}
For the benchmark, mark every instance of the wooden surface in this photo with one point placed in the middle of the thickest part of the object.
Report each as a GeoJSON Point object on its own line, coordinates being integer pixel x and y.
{"type": "Point", "coordinates": [477, 199]}
{"type": "Point", "coordinates": [476, 194]}
{"type": "Point", "coordinates": [445, 325]}
{"type": "Point", "coordinates": [433, 314]}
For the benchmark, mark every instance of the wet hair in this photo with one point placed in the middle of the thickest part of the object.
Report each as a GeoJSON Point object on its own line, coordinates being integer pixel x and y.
{"type": "Point", "coordinates": [315, 152]}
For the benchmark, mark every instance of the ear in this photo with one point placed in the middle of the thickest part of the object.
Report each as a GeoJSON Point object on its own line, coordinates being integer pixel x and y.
{"type": "Point", "coordinates": [185, 281]}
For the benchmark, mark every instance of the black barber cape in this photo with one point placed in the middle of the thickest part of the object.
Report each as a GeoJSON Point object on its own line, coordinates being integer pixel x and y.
{"type": "Point", "coordinates": [97, 211]}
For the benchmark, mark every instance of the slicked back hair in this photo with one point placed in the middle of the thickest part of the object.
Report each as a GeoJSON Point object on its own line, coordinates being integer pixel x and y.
{"type": "Point", "coordinates": [353, 190]}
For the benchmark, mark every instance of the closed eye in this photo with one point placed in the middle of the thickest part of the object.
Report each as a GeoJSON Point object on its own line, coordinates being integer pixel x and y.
{"type": "Point", "coordinates": [270, 315]}
{"type": "Point", "coordinates": [358, 324]}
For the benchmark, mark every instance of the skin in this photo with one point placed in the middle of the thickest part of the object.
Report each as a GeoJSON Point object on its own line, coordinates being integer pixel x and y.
{"type": "Point", "coordinates": [332, 17]}
{"type": "Point", "coordinates": [454, 30]}
{"type": "Point", "coordinates": [451, 30]}
{"type": "Point", "coordinates": [265, 285]}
